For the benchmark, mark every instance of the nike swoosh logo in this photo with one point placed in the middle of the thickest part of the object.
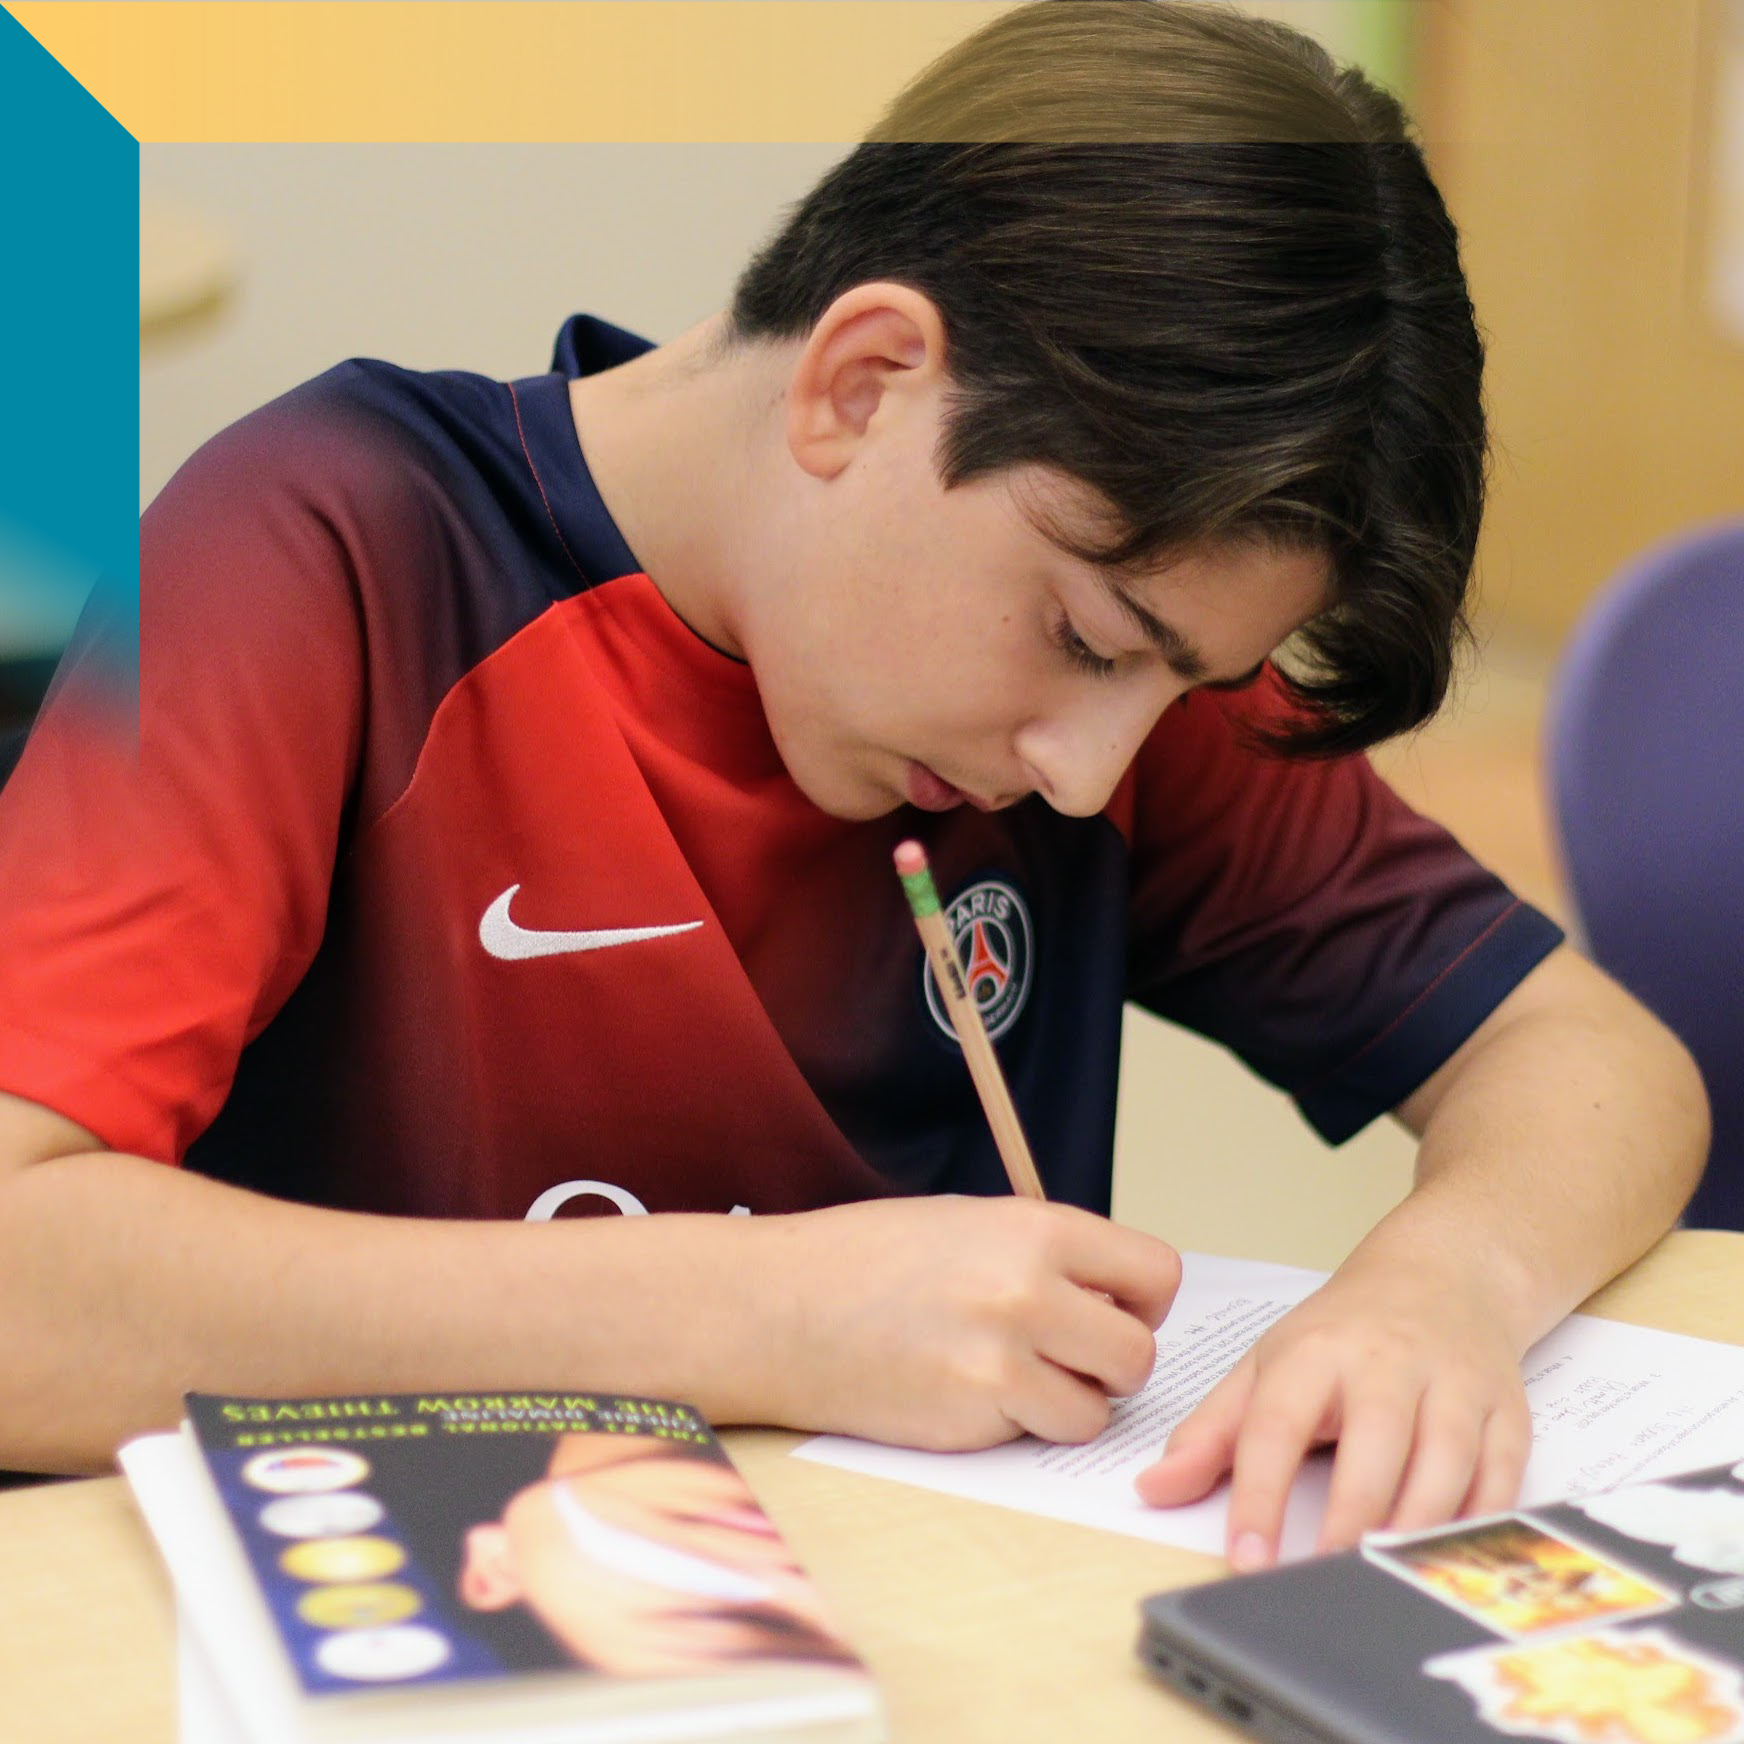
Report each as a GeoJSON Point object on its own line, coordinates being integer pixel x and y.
{"type": "Point", "coordinates": [516, 944]}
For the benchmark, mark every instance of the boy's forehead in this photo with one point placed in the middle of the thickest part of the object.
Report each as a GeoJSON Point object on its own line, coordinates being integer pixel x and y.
{"type": "Point", "coordinates": [1249, 575]}
{"type": "Point", "coordinates": [1080, 523]}
{"type": "Point", "coordinates": [1082, 529]}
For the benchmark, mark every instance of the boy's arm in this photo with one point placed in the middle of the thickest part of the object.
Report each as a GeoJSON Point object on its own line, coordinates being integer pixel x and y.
{"type": "Point", "coordinates": [944, 1322]}
{"type": "Point", "coordinates": [1558, 1144]}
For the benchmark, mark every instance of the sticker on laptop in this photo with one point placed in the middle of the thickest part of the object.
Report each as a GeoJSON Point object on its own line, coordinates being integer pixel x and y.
{"type": "Point", "coordinates": [1702, 1528]}
{"type": "Point", "coordinates": [1514, 1577]}
{"type": "Point", "coordinates": [1614, 1686]}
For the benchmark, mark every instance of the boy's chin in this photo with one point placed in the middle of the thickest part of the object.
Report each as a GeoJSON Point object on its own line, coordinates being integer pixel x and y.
{"type": "Point", "coordinates": [858, 808]}
{"type": "Point", "coordinates": [853, 799]}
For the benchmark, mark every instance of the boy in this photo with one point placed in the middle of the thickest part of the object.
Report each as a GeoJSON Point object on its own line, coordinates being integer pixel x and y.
{"type": "Point", "coordinates": [519, 764]}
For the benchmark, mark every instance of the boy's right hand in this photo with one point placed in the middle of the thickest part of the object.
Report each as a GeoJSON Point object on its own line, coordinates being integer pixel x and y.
{"type": "Point", "coordinates": [950, 1323]}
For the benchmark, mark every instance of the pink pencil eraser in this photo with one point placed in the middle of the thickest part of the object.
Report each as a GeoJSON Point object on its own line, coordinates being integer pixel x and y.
{"type": "Point", "coordinates": [910, 858]}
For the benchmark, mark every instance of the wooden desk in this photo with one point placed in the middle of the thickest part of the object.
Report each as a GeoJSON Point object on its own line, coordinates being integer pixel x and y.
{"type": "Point", "coordinates": [980, 1623]}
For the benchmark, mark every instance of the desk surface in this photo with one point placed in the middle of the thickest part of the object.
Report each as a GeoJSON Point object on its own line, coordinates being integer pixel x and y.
{"type": "Point", "coordinates": [979, 1622]}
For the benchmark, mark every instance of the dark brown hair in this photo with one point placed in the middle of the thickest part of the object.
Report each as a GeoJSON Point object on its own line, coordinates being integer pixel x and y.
{"type": "Point", "coordinates": [1183, 257]}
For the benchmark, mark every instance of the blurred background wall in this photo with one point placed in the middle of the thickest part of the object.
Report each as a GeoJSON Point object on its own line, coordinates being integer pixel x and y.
{"type": "Point", "coordinates": [1574, 140]}
{"type": "Point", "coordinates": [1578, 144]}
{"type": "Point", "coordinates": [439, 257]}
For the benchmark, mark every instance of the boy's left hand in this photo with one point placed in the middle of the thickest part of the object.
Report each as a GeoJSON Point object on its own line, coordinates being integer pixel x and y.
{"type": "Point", "coordinates": [1413, 1375]}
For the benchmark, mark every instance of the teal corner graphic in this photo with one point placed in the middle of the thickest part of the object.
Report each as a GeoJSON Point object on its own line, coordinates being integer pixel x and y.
{"type": "Point", "coordinates": [69, 360]}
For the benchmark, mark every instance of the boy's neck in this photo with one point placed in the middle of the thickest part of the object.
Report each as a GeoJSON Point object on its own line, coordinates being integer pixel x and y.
{"type": "Point", "coordinates": [674, 440]}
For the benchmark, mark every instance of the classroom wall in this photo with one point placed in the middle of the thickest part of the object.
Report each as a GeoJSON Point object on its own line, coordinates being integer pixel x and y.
{"type": "Point", "coordinates": [1570, 139]}
{"type": "Point", "coordinates": [441, 257]}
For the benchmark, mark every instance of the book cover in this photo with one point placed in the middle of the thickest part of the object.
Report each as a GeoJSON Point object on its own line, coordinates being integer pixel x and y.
{"type": "Point", "coordinates": [599, 1549]}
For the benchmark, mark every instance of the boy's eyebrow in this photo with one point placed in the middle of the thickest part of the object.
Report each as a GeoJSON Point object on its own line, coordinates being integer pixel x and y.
{"type": "Point", "coordinates": [1184, 659]}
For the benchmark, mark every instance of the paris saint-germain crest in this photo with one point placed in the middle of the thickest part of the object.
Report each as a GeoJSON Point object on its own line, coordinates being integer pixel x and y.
{"type": "Point", "coordinates": [989, 925]}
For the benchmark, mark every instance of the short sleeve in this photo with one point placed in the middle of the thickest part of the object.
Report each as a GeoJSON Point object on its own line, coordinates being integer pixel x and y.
{"type": "Point", "coordinates": [1300, 913]}
{"type": "Point", "coordinates": [164, 874]}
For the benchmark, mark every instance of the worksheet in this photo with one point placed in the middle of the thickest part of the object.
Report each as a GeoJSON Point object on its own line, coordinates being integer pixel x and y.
{"type": "Point", "coordinates": [1609, 1403]}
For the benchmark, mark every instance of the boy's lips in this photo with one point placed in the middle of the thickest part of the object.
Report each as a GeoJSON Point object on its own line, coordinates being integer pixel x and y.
{"type": "Point", "coordinates": [932, 792]}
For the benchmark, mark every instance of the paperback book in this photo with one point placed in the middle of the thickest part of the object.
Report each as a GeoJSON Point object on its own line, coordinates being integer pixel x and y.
{"type": "Point", "coordinates": [514, 1566]}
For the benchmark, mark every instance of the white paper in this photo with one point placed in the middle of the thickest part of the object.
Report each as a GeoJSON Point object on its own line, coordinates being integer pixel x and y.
{"type": "Point", "coordinates": [207, 1717]}
{"type": "Point", "coordinates": [216, 1601]}
{"type": "Point", "coordinates": [1610, 1403]}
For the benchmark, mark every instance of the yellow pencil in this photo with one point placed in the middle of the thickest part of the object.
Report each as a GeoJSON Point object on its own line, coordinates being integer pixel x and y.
{"type": "Point", "coordinates": [923, 900]}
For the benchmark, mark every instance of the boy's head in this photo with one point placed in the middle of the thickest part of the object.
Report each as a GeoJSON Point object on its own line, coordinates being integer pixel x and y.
{"type": "Point", "coordinates": [1181, 258]}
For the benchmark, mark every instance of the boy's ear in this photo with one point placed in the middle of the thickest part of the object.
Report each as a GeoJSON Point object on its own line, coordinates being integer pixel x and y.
{"type": "Point", "coordinates": [489, 1578]}
{"type": "Point", "coordinates": [877, 349]}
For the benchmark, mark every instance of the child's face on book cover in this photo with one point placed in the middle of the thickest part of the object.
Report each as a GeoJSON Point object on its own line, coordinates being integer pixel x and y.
{"type": "Point", "coordinates": [644, 1559]}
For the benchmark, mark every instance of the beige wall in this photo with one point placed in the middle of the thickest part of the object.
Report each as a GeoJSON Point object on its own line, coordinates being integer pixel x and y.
{"type": "Point", "coordinates": [1567, 135]}
{"type": "Point", "coordinates": [441, 257]}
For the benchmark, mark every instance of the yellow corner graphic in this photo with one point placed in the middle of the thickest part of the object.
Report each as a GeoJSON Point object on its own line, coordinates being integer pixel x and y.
{"type": "Point", "coordinates": [508, 70]}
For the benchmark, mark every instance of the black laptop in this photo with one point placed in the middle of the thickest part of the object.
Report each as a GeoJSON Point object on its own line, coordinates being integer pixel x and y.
{"type": "Point", "coordinates": [1614, 1619]}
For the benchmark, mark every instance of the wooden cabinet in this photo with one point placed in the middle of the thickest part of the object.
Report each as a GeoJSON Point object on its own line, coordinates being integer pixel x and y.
{"type": "Point", "coordinates": [1569, 137]}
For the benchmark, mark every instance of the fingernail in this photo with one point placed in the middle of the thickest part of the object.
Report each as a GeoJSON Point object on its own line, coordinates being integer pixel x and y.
{"type": "Point", "coordinates": [1249, 1552]}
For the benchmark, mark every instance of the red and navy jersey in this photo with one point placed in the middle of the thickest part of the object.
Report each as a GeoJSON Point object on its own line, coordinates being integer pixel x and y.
{"type": "Point", "coordinates": [452, 874]}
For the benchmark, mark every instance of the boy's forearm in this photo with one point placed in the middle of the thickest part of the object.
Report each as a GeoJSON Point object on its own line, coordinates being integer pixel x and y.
{"type": "Point", "coordinates": [1556, 1147]}
{"type": "Point", "coordinates": [950, 1323]}
{"type": "Point", "coordinates": [124, 1283]}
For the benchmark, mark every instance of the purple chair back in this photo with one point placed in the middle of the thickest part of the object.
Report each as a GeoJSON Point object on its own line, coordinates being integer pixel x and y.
{"type": "Point", "coordinates": [1646, 744]}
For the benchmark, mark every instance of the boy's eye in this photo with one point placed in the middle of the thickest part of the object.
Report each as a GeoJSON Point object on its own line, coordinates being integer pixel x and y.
{"type": "Point", "coordinates": [1078, 651]}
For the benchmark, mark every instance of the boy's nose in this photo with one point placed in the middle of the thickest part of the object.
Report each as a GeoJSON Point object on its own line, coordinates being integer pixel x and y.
{"type": "Point", "coordinates": [1078, 755]}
